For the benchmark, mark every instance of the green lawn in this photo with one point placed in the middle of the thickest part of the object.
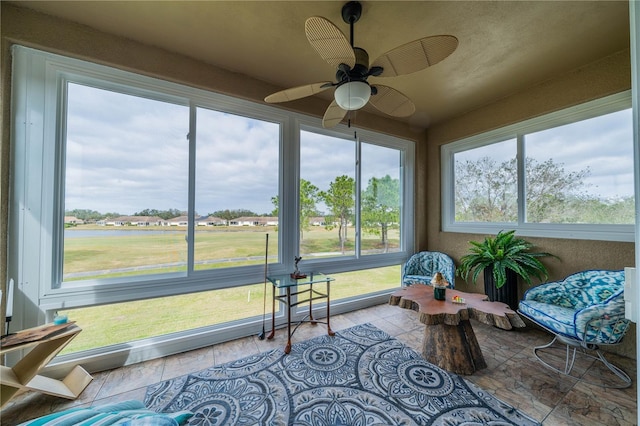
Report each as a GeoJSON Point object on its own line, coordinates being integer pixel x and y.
{"type": "Point", "coordinates": [123, 322]}
{"type": "Point", "coordinates": [214, 247]}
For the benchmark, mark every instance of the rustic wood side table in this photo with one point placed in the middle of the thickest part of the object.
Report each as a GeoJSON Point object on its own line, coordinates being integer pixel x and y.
{"type": "Point", "coordinates": [449, 340]}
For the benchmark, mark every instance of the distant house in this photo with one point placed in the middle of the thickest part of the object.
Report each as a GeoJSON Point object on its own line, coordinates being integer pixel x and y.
{"type": "Point", "coordinates": [132, 221]}
{"type": "Point", "coordinates": [178, 221]}
{"type": "Point", "coordinates": [146, 221]}
{"type": "Point", "coordinates": [72, 220]}
{"type": "Point", "coordinates": [317, 221]}
{"type": "Point", "coordinates": [210, 221]}
{"type": "Point", "coordinates": [254, 221]}
{"type": "Point", "coordinates": [113, 221]}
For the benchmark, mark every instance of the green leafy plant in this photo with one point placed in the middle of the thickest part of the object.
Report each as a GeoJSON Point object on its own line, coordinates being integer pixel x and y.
{"type": "Point", "coordinates": [501, 253]}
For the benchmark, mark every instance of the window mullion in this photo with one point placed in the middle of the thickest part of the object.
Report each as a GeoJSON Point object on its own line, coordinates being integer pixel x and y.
{"type": "Point", "coordinates": [191, 202]}
{"type": "Point", "coordinates": [358, 192]}
{"type": "Point", "coordinates": [521, 187]}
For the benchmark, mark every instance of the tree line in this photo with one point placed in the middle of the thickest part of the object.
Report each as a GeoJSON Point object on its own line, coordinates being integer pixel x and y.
{"type": "Point", "coordinates": [380, 205]}
{"type": "Point", "coordinates": [486, 191]}
{"type": "Point", "coordinates": [93, 216]}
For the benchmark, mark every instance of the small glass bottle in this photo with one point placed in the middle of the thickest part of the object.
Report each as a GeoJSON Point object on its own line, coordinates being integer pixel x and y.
{"type": "Point", "coordinates": [439, 292]}
{"type": "Point", "coordinates": [439, 286]}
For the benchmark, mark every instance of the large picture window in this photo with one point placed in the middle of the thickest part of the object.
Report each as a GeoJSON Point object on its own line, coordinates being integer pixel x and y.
{"type": "Point", "coordinates": [581, 172]}
{"type": "Point", "coordinates": [327, 195]}
{"type": "Point", "coordinates": [237, 162]}
{"type": "Point", "coordinates": [381, 200]}
{"type": "Point", "coordinates": [134, 197]}
{"type": "Point", "coordinates": [126, 160]}
{"type": "Point", "coordinates": [568, 174]}
{"type": "Point", "coordinates": [485, 185]}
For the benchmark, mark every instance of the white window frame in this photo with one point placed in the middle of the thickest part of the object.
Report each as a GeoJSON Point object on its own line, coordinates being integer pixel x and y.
{"type": "Point", "coordinates": [36, 205]}
{"type": "Point", "coordinates": [603, 232]}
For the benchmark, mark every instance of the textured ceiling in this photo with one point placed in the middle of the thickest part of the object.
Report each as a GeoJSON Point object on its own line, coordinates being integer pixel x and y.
{"type": "Point", "coordinates": [503, 46]}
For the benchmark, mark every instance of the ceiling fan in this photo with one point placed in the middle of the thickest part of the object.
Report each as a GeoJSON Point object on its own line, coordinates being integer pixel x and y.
{"type": "Point", "coordinates": [353, 91]}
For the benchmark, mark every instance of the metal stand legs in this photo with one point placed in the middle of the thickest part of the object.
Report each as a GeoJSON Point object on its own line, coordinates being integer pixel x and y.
{"type": "Point", "coordinates": [570, 357]}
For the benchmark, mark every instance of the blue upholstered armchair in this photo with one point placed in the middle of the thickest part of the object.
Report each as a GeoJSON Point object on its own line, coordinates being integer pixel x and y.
{"type": "Point", "coordinates": [422, 266]}
{"type": "Point", "coordinates": [583, 311]}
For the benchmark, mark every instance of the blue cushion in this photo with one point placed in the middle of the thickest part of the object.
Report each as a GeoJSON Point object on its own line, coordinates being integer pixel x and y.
{"type": "Point", "coordinates": [417, 279]}
{"type": "Point", "coordinates": [587, 306]}
{"type": "Point", "coordinates": [422, 266]}
{"type": "Point", "coordinates": [553, 317]}
{"type": "Point", "coordinates": [581, 289]}
{"type": "Point", "coordinates": [122, 413]}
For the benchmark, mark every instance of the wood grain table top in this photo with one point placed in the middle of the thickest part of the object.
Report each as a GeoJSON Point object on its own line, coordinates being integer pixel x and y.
{"type": "Point", "coordinates": [419, 297]}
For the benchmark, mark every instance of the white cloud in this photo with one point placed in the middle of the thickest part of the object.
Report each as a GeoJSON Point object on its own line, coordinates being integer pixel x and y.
{"type": "Point", "coordinates": [603, 145]}
{"type": "Point", "coordinates": [126, 153]}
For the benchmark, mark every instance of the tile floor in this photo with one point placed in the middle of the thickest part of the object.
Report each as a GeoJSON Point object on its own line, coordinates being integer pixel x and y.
{"type": "Point", "coordinates": [513, 373]}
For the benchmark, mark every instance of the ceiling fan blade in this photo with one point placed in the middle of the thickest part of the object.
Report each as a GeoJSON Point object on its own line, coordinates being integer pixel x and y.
{"type": "Point", "coordinates": [329, 41]}
{"type": "Point", "coordinates": [392, 102]}
{"type": "Point", "coordinates": [298, 92]}
{"type": "Point", "coordinates": [333, 115]}
{"type": "Point", "coordinates": [416, 55]}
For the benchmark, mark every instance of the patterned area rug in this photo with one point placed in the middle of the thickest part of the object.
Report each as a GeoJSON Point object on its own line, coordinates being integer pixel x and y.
{"type": "Point", "coordinates": [361, 376]}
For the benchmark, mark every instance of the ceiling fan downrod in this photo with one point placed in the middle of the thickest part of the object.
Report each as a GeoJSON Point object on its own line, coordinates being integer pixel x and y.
{"type": "Point", "coordinates": [351, 12]}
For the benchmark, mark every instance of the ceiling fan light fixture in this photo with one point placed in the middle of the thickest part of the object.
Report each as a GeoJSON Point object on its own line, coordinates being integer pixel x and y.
{"type": "Point", "coordinates": [352, 95]}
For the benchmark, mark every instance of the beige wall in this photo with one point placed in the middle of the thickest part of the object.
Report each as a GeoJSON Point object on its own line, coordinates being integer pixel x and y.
{"type": "Point", "coordinates": [605, 77]}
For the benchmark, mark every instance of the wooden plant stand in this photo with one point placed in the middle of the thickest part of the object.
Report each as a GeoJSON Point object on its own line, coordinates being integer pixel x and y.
{"type": "Point", "coordinates": [43, 343]}
{"type": "Point", "coordinates": [449, 339]}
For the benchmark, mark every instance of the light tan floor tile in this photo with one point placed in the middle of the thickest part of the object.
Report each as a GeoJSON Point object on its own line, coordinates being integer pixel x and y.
{"type": "Point", "coordinates": [588, 404]}
{"type": "Point", "coordinates": [188, 362]}
{"type": "Point", "coordinates": [389, 328]}
{"type": "Point", "coordinates": [235, 349]}
{"type": "Point", "coordinates": [31, 405]}
{"type": "Point", "coordinates": [341, 322]}
{"type": "Point", "coordinates": [405, 319]}
{"type": "Point", "coordinates": [132, 377]}
{"type": "Point", "coordinates": [133, 394]}
{"type": "Point", "coordinates": [412, 339]}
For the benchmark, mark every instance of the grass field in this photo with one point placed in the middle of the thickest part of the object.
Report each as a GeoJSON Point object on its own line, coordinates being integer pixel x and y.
{"type": "Point", "coordinates": [215, 247]}
{"type": "Point", "coordinates": [124, 322]}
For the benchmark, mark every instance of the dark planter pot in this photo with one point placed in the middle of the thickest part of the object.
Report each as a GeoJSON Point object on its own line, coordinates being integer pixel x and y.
{"type": "Point", "coordinates": [508, 293]}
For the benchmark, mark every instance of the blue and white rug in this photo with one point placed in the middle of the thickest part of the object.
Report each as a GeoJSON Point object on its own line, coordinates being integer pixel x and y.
{"type": "Point", "coordinates": [361, 376]}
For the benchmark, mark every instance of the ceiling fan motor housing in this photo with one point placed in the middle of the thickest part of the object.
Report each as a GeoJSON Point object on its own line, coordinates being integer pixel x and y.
{"type": "Point", "coordinates": [360, 70]}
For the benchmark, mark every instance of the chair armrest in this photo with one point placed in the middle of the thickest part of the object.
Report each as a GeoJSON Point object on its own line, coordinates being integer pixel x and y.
{"type": "Point", "coordinates": [603, 323]}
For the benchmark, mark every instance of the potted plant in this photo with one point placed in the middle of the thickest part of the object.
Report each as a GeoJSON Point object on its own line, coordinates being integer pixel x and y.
{"type": "Point", "coordinates": [502, 259]}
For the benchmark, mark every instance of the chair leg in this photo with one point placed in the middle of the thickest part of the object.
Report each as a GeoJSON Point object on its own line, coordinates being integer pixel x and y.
{"type": "Point", "coordinates": [616, 370]}
{"type": "Point", "coordinates": [570, 358]}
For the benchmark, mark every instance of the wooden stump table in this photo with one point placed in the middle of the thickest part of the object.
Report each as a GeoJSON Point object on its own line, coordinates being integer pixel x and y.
{"type": "Point", "coordinates": [449, 340]}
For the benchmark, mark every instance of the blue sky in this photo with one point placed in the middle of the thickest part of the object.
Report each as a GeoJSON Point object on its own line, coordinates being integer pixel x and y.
{"type": "Point", "coordinates": [126, 154]}
{"type": "Point", "coordinates": [603, 145]}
